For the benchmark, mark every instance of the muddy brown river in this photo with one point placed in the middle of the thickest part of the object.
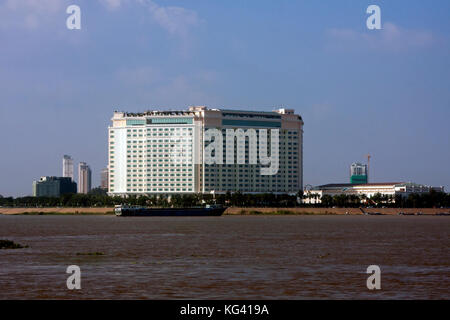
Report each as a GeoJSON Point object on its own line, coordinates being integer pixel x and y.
{"type": "Point", "coordinates": [228, 257]}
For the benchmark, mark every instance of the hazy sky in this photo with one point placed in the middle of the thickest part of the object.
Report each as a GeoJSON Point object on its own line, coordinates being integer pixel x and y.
{"type": "Point", "coordinates": [380, 91]}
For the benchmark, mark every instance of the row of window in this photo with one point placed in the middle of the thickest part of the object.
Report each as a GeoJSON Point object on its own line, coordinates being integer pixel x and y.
{"type": "Point", "coordinates": [172, 141]}
{"type": "Point", "coordinates": [213, 177]}
{"type": "Point", "coordinates": [159, 129]}
{"type": "Point", "coordinates": [249, 187]}
{"type": "Point", "coordinates": [157, 184]}
{"type": "Point", "coordinates": [159, 190]}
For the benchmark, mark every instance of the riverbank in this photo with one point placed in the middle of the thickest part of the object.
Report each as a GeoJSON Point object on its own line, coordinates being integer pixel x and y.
{"type": "Point", "coordinates": [330, 211]}
{"type": "Point", "coordinates": [230, 211]}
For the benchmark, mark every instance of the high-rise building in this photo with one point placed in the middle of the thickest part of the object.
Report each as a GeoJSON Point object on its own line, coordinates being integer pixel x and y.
{"type": "Point", "coordinates": [68, 167]}
{"type": "Point", "coordinates": [104, 178]}
{"type": "Point", "coordinates": [53, 186]}
{"type": "Point", "coordinates": [84, 178]}
{"type": "Point", "coordinates": [358, 173]}
{"type": "Point", "coordinates": [159, 152]}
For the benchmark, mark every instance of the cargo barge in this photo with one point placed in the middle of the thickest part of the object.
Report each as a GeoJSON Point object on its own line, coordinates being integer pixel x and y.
{"type": "Point", "coordinates": [134, 211]}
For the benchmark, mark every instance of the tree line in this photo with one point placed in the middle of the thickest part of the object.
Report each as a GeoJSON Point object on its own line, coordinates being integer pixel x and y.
{"type": "Point", "coordinates": [99, 198]}
{"type": "Point", "coordinates": [432, 199]}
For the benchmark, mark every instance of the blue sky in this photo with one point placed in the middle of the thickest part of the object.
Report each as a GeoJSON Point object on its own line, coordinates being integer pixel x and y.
{"type": "Point", "coordinates": [383, 92]}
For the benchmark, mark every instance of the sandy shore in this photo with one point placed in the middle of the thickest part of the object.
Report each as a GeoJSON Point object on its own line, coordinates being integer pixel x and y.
{"type": "Point", "coordinates": [321, 211]}
{"type": "Point", "coordinates": [232, 210]}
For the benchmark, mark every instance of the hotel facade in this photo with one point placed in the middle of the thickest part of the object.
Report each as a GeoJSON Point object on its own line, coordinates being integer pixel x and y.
{"type": "Point", "coordinates": [166, 152]}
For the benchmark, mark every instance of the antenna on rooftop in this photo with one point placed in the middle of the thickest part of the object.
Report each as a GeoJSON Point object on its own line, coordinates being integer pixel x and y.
{"type": "Point", "coordinates": [368, 166]}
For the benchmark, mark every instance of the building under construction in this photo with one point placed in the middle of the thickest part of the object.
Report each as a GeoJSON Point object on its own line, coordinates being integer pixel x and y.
{"type": "Point", "coordinates": [358, 173]}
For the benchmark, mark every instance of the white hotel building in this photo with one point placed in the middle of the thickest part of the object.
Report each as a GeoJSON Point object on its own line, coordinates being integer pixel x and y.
{"type": "Point", "coordinates": [163, 152]}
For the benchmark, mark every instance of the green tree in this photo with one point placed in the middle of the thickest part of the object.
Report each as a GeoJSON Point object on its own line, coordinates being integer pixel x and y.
{"type": "Point", "coordinates": [327, 200]}
{"type": "Point", "coordinates": [377, 198]}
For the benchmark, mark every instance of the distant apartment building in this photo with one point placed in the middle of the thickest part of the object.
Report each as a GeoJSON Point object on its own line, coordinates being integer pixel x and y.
{"type": "Point", "coordinates": [160, 152]}
{"type": "Point", "coordinates": [84, 178]}
{"type": "Point", "coordinates": [104, 178]}
{"type": "Point", "coordinates": [68, 167]}
{"type": "Point", "coordinates": [358, 173]}
{"type": "Point", "coordinates": [404, 189]}
{"type": "Point", "coordinates": [53, 186]}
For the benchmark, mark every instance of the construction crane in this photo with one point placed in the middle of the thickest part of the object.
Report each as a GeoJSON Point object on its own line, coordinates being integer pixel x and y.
{"type": "Point", "coordinates": [368, 166]}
